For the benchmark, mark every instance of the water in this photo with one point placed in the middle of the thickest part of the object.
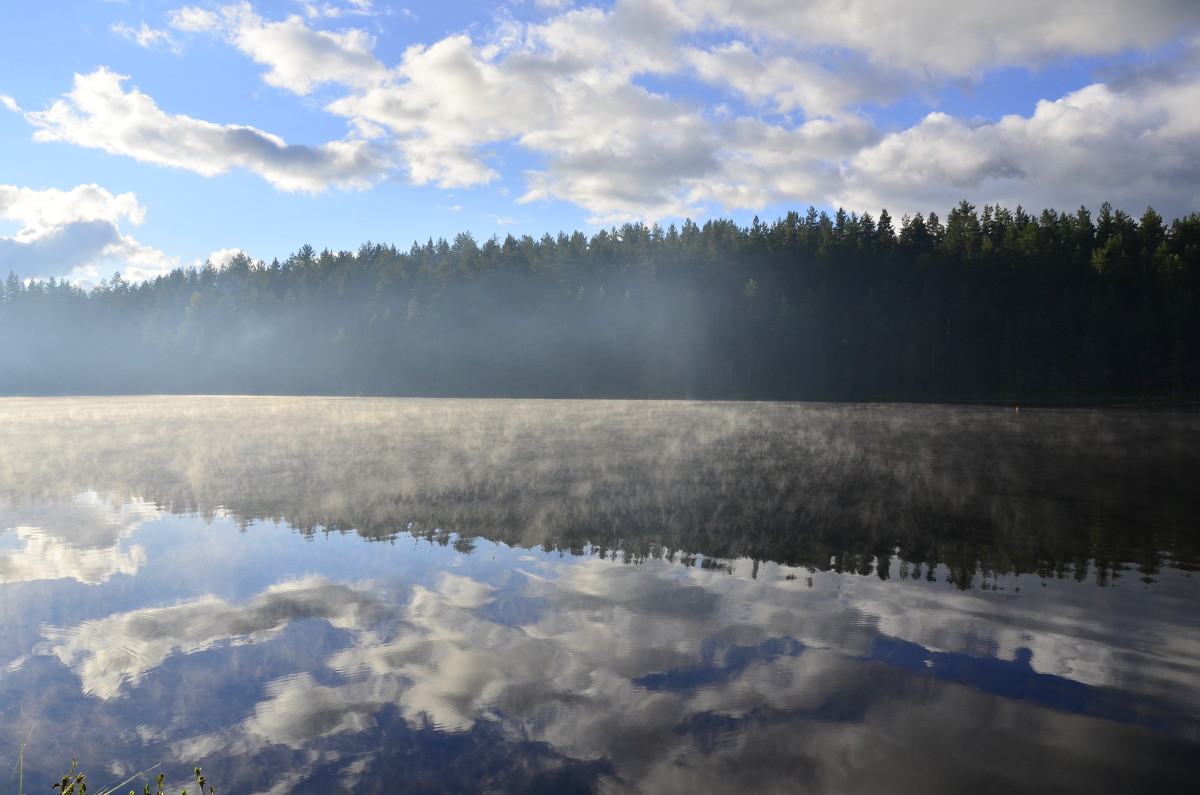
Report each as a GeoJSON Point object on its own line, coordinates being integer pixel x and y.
{"type": "Point", "coordinates": [322, 595]}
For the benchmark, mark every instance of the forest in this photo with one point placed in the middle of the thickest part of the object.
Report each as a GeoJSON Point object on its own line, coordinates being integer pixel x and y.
{"type": "Point", "coordinates": [991, 304]}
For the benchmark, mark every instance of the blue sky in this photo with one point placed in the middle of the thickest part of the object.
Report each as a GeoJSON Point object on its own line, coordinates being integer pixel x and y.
{"type": "Point", "coordinates": [139, 136]}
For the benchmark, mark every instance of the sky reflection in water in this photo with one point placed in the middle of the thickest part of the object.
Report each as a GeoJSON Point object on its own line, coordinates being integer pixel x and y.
{"type": "Point", "coordinates": [134, 633]}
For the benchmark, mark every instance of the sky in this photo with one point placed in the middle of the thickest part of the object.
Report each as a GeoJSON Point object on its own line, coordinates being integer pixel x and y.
{"type": "Point", "coordinates": [139, 136]}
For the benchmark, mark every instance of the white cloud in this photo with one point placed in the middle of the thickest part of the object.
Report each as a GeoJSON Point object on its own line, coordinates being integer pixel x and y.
{"type": "Point", "coordinates": [1130, 147]}
{"type": "Point", "coordinates": [222, 257]}
{"type": "Point", "coordinates": [43, 210]}
{"type": "Point", "coordinates": [952, 37]}
{"type": "Point", "coordinates": [300, 58]}
{"type": "Point", "coordinates": [789, 67]}
{"type": "Point", "coordinates": [98, 113]}
{"type": "Point", "coordinates": [76, 232]}
{"type": "Point", "coordinates": [562, 90]}
{"type": "Point", "coordinates": [194, 20]}
{"type": "Point", "coordinates": [136, 262]}
{"type": "Point", "coordinates": [788, 83]}
{"type": "Point", "coordinates": [765, 163]}
{"type": "Point", "coordinates": [145, 36]}
{"type": "Point", "coordinates": [625, 155]}
{"type": "Point", "coordinates": [445, 101]}
{"type": "Point", "coordinates": [579, 90]}
{"type": "Point", "coordinates": [64, 248]}
{"type": "Point", "coordinates": [567, 90]}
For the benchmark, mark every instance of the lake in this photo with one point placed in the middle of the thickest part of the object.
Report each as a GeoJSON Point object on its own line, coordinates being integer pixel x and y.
{"type": "Point", "coordinates": [315, 595]}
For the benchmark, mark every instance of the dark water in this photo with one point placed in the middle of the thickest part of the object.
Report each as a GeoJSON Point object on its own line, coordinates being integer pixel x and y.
{"type": "Point", "coordinates": [322, 595]}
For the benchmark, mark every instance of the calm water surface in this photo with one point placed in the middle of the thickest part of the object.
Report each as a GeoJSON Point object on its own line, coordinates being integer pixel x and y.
{"type": "Point", "coordinates": [313, 595]}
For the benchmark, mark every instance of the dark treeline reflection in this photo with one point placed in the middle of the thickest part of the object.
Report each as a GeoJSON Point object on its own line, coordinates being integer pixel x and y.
{"type": "Point", "coordinates": [983, 492]}
{"type": "Point", "coordinates": [987, 303]}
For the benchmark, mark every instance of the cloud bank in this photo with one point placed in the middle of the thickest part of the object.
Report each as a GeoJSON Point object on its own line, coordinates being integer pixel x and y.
{"type": "Point", "coordinates": [573, 88]}
{"type": "Point", "coordinates": [651, 109]}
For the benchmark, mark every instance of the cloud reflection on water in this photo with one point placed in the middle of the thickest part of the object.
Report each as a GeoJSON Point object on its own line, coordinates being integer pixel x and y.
{"type": "Point", "coordinates": [109, 652]}
{"type": "Point", "coordinates": [78, 538]}
{"type": "Point", "coordinates": [464, 659]}
{"type": "Point", "coordinates": [612, 667]}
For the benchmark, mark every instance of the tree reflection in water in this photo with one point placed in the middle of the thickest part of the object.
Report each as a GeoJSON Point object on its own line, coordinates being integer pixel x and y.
{"type": "Point", "coordinates": [496, 637]}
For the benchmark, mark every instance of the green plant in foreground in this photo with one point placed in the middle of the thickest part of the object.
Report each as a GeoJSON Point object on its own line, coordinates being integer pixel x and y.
{"type": "Point", "coordinates": [74, 783]}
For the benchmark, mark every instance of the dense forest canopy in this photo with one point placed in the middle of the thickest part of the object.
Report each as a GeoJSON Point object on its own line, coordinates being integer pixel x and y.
{"type": "Point", "coordinates": [986, 304]}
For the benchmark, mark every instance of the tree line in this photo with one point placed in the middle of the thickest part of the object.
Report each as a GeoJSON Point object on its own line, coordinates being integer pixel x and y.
{"type": "Point", "coordinates": [987, 304]}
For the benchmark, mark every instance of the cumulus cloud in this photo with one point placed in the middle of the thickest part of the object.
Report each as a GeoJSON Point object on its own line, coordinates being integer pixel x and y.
{"type": "Point", "coordinates": [645, 161]}
{"type": "Point", "coordinates": [785, 83]}
{"type": "Point", "coordinates": [75, 232]}
{"type": "Point", "coordinates": [99, 113]}
{"type": "Point", "coordinates": [446, 100]}
{"type": "Point", "coordinates": [615, 102]}
{"type": "Point", "coordinates": [66, 247]}
{"type": "Point", "coordinates": [758, 163]}
{"type": "Point", "coordinates": [951, 37]}
{"type": "Point", "coordinates": [561, 89]}
{"type": "Point", "coordinates": [299, 57]}
{"type": "Point", "coordinates": [568, 90]}
{"type": "Point", "coordinates": [222, 257]}
{"type": "Point", "coordinates": [135, 261]}
{"type": "Point", "coordinates": [47, 209]}
{"type": "Point", "coordinates": [1128, 146]}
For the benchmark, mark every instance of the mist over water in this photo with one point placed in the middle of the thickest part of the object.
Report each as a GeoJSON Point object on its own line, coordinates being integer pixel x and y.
{"type": "Point", "coordinates": [977, 489]}
{"type": "Point", "coordinates": [608, 596]}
